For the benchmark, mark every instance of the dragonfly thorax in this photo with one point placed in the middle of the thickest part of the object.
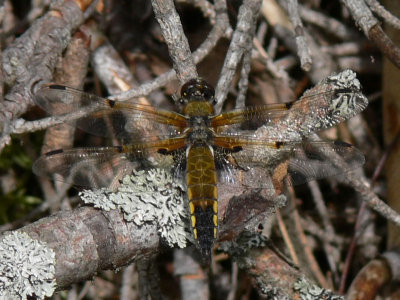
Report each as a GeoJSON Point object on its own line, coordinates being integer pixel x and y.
{"type": "Point", "coordinates": [200, 134]}
{"type": "Point", "coordinates": [198, 109]}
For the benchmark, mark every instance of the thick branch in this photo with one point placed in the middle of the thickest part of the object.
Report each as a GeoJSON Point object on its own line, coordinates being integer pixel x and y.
{"type": "Point", "coordinates": [88, 240]}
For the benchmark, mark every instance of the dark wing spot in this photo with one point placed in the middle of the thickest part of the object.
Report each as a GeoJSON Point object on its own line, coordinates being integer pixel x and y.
{"type": "Point", "coordinates": [57, 87]}
{"type": "Point", "coordinates": [279, 144]}
{"type": "Point", "coordinates": [289, 104]}
{"type": "Point", "coordinates": [237, 149]}
{"type": "Point", "coordinates": [343, 144]}
{"type": "Point", "coordinates": [111, 103]}
{"type": "Point", "coordinates": [53, 152]}
{"type": "Point", "coordinates": [162, 151]}
{"type": "Point", "coordinates": [344, 91]}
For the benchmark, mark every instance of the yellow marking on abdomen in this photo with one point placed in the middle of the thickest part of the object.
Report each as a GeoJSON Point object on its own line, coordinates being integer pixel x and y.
{"type": "Point", "coordinates": [202, 192]}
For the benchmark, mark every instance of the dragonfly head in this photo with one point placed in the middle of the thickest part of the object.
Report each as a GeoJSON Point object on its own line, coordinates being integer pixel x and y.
{"type": "Point", "coordinates": [197, 98]}
{"type": "Point", "coordinates": [197, 90]}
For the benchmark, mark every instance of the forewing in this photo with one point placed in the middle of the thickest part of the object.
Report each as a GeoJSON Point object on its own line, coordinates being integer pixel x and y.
{"type": "Point", "coordinates": [333, 100]}
{"type": "Point", "coordinates": [105, 117]}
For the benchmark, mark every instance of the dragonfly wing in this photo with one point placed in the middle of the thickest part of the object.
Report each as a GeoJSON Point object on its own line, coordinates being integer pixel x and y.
{"type": "Point", "coordinates": [85, 167]}
{"type": "Point", "coordinates": [105, 117]}
{"type": "Point", "coordinates": [98, 167]}
{"type": "Point", "coordinates": [298, 162]}
{"type": "Point", "coordinates": [318, 160]}
{"type": "Point", "coordinates": [333, 100]}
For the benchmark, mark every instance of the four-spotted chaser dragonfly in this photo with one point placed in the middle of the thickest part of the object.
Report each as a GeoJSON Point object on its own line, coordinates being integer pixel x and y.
{"type": "Point", "coordinates": [206, 146]}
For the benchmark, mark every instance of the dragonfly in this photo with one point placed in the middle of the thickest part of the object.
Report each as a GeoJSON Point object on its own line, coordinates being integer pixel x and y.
{"type": "Point", "coordinates": [206, 146]}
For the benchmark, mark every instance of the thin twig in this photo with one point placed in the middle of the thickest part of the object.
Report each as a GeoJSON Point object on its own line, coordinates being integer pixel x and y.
{"type": "Point", "coordinates": [330, 25]}
{"type": "Point", "coordinates": [372, 29]}
{"type": "Point", "coordinates": [272, 66]}
{"type": "Point", "coordinates": [313, 264]}
{"type": "Point", "coordinates": [245, 70]}
{"type": "Point", "coordinates": [312, 227]}
{"type": "Point", "coordinates": [286, 237]}
{"type": "Point", "coordinates": [247, 17]}
{"type": "Point", "coordinates": [361, 185]}
{"type": "Point", "coordinates": [381, 11]}
{"type": "Point", "coordinates": [303, 51]}
{"type": "Point", "coordinates": [331, 252]}
{"type": "Point", "coordinates": [348, 48]}
{"type": "Point", "coordinates": [244, 80]}
{"type": "Point", "coordinates": [178, 45]}
{"type": "Point", "coordinates": [323, 64]}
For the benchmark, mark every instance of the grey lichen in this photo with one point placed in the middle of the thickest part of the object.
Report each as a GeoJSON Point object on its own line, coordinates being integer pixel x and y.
{"type": "Point", "coordinates": [273, 293]}
{"type": "Point", "coordinates": [310, 291]}
{"type": "Point", "coordinates": [242, 245]}
{"type": "Point", "coordinates": [147, 196]}
{"type": "Point", "coordinates": [27, 267]}
{"type": "Point", "coordinates": [100, 198]}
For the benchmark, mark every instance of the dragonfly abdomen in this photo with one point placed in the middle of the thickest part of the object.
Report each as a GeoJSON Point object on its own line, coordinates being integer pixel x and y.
{"type": "Point", "coordinates": [202, 194]}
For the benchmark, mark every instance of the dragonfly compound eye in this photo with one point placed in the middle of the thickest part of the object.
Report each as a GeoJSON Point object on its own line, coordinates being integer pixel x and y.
{"type": "Point", "coordinates": [197, 89]}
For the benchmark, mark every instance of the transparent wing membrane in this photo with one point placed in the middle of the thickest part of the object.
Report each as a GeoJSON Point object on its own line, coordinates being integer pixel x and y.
{"type": "Point", "coordinates": [85, 167]}
{"type": "Point", "coordinates": [311, 113]}
{"type": "Point", "coordinates": [98, 167]}
{"type": "Point", "coordinates": [333, 100]}
{"type": "Point", "coordinates": [260, 163]}
{"type": "Point", "coordinates": [104, 117]}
